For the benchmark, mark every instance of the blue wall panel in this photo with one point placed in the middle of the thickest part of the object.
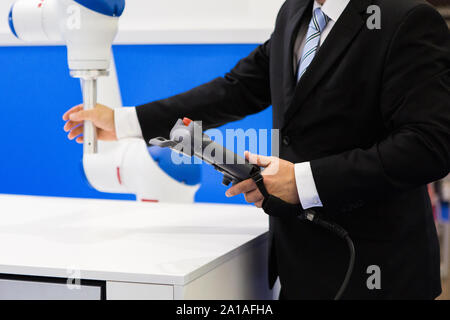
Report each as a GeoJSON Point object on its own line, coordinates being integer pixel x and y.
{"type": "Point", "coordinates": [36, 89]}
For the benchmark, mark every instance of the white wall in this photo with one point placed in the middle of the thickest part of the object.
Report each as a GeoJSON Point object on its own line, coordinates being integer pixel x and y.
{"type": "Point", "coordinates": [185, 21]}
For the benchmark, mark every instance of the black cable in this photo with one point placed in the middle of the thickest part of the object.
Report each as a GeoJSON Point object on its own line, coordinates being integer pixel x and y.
{"type": "Point", "coordinates": [343, 234]}
{"type": "Point", "coordinates": [351, 265]}
{"type": "Point", "coordinates": [313, 217]}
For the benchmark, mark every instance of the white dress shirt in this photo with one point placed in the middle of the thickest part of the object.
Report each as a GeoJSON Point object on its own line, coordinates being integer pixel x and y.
{"type": "Point", "coordinates": [127, 123]}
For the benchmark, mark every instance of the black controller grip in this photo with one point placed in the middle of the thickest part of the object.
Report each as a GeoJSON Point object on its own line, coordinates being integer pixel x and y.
{"type": "Point", "coordinates": [234, 168]}
{"type": "Point", "coordinates": [188, 138]}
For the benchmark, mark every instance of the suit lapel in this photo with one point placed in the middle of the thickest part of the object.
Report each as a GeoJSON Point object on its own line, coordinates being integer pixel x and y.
{"type": "Point", "coordinates": [334, 47]}
{"type": "Point", "coordinates": [293, 26]}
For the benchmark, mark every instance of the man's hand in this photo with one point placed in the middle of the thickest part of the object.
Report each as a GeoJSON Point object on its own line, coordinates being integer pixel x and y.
{"type": "Point", "coordinates": [101, 116]}
{"type": "Point", "coordinates": [279, 179]}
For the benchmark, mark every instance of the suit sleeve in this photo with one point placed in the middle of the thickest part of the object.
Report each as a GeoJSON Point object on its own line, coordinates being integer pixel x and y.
{"type": "Point", "coordinates": [244, 90]}
{"type": "Point", "coordinates": [415, 104]}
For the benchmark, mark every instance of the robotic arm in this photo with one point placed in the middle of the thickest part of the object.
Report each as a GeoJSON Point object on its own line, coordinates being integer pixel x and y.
{"type": "Point", "coordinates": [88, 29]}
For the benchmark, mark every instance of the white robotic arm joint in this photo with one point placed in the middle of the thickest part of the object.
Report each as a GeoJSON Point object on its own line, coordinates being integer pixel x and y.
{"type": "Point", "coordinates": [87, 27]}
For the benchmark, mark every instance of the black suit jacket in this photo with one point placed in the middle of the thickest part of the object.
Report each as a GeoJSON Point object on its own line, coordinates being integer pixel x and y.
{"type": "Point", "coordinates": [372, 114]}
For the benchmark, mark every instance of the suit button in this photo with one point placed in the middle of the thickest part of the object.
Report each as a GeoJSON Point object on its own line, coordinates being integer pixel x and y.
{"type": "Point", "coordinates": [286, 141]}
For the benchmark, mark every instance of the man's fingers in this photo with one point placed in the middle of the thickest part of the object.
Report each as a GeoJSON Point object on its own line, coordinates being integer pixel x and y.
{"type": "Point", "coordinates": [72, 110]}
{"type": "Point", "coordinates": [75, 132]}
{"type": "Point", "coordinates": [254, 196]}
{"type": "Point", "coordinates": [261, 161]}
{"type": "Point", "coordinates": [242, 187]}
{"type": "Point", "coordinates": [71, 124]}
{"type": "Point", "coordinates": [80, 140]}
{"type": "Point", "coordinates": [82, 115]}
{"type": "Point", "coordinates": [259, 204]}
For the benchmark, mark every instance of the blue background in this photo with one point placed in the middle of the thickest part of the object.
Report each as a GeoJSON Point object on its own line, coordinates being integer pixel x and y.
{"type": "Point", "coordinates": [36, 89]}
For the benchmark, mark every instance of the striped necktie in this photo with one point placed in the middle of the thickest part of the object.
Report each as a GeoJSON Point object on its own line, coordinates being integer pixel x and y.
{"type": "Point", "coordinates": [318, 23]}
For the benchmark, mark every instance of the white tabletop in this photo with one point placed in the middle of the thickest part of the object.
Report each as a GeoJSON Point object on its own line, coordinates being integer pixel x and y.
{"type": "Point", "coordinates": [122, 240]}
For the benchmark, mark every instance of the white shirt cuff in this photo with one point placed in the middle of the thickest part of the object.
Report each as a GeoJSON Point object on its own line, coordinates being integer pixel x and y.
{"type": "Point", "coordinates": [306, 186]}
{"type": "Point", "coordinates": [127, 123]}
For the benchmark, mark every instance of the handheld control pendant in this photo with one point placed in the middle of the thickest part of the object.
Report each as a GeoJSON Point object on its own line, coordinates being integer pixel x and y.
{"type": "Point", "coordinates": [187, 138]}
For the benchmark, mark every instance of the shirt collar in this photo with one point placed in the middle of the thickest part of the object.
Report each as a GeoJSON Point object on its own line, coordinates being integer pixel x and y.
{"type": "Point", "coordinates": [332, 8]}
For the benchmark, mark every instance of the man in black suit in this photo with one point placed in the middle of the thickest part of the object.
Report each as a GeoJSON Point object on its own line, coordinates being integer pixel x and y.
{"type": "Point", "coordinates": [364, 116]}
